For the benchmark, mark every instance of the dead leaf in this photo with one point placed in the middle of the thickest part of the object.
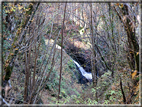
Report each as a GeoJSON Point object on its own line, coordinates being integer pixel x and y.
{"type": "Point", "coordinates": [113, 87]}
{"type": "Point", "coordinates": [11, 54]}
{"type": "Point", "coordinates": [134, 74]}
{"type": "Point", "coordinates": [137, 53]}
{"type": "Point", "coordinates": [121, 5]}
{"type": "Point", "coordinates": [137, 88]}
{"type": "Point", "coordinates": [16, 49]}
{"type": "Point", "coordinates": [117, 4]}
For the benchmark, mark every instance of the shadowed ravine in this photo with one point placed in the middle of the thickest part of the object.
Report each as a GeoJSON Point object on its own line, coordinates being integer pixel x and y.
{"type": "Point", "coordinates": [85, 76]}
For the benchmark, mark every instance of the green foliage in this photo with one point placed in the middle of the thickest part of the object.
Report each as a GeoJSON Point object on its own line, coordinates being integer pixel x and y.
{"type": "Point", "coordinates": [104, 82]}
{"type": "Point", "coordinates": [67, 100]}
{"type": "Point", "coordinates": [71, 64]}
{"type": "Point", "coordinates": [111, 96]}
{"type": "Point", "coordinates": [76, 92]}
{"type": "Point", "coordinates": [43, 41]}
{"type": "Point", "coordinates": [89, 101]}
{"type": "Point", "coordinates": [112, 92]}
{"type": "Point", "coordinates": [93, 91]}
{"type": "Point", "coordinates": [63, 92]}
{"type": "Point", "coordinates": [52, 81]}
{"type": "Point", "coordinates": [29, 9]}
{"type": "Point", "coordinates": [74, 97]}
{"type": "Point", "coordinates": [137, 78]}
{"type": "Point", "coordinates": [53, 99]}
{"type": "Point", "coordinates": [106, 102]}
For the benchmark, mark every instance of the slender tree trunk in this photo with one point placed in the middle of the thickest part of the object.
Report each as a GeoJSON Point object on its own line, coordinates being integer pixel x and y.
{"type": "Point", "coordinates": [94, 68]}
{"type": "Point", "coordinates": [93, 52]}
{"type": "Point", "coordinates": [113, 39]}
{"type": "Point", "coordinates": [61, 51]}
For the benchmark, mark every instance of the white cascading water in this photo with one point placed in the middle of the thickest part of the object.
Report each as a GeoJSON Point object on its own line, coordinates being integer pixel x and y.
{"type": "Point", "coordinates": [84, 73]}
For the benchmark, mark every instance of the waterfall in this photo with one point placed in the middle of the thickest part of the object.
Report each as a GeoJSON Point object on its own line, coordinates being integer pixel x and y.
{"type": "Point", "coordinates": [83, 72]}
{"type": "Point", "coordinates": [87, 75]}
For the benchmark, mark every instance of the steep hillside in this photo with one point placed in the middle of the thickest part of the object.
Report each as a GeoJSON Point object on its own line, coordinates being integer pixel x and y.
{"type": "Point", "coordinates": [69, 83]}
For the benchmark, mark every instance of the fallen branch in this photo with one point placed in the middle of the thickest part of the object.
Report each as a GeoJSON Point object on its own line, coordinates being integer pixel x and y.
{"type": "Point", "coordinates": [124, 98]}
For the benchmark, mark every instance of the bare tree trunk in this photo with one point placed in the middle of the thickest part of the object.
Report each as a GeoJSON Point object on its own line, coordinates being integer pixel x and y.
{"type": "Point", "coordinates": [113, 39]}
{"type": "Point", "coordinates": [94, 72]}
{"type": "Point", "coordinates": [26, 78]}
{"type": "Point", "coordinates": [94, 69]}
{"type": "Point", "coordinates": [61, 51]}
